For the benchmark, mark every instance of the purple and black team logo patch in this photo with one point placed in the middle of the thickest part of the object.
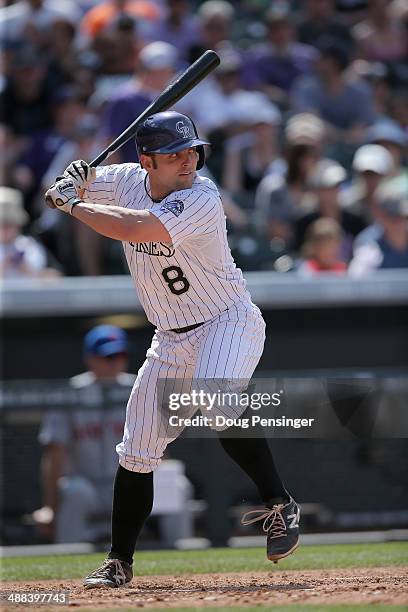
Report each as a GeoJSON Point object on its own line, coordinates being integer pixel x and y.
{"type": "Point", "coordinates": [175, 206]}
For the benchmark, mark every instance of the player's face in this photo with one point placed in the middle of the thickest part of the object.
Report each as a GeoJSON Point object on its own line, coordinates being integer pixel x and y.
{"type": "Point", "coordinates": [174, 171]}
{"type": "Point", "coordinates": [107, 368]}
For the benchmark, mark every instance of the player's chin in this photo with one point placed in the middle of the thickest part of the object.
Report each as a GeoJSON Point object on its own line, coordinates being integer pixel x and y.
{"type": "Point", "coordinates": [186, 180]}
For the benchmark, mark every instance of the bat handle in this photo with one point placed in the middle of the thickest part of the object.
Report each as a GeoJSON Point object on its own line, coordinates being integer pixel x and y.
{"type": "Point", "coordinates": [101, 157]}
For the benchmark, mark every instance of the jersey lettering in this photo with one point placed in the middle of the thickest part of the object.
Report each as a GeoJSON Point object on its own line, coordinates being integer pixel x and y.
{"type": "Point", "coordinates": [159, 249]}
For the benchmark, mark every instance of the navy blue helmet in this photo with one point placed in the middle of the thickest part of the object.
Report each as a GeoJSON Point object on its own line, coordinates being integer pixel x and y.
{"type": "Point", "coordinates": [169, 132]}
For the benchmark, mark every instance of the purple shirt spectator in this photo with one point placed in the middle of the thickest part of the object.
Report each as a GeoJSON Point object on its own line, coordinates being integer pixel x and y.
{"type": "Point", "coordinates": [120, 112]}
{"type": "Point", "coordinates": [183, 35]}
{"type": "Point", "coordinates": [38, 155]}
{"type": "Point", "coordinates": [158, 63]}
{"type": "Point", "coordinates": [264, 66]}
{"type": "Point", "coordinates": [281, 59]}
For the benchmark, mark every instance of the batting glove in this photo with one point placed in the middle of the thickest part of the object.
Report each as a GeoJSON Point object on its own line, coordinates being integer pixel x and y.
{"type": "Point", "coordinates": [63, 195]}
{"type": "Point", "coordinates": [81, 173]}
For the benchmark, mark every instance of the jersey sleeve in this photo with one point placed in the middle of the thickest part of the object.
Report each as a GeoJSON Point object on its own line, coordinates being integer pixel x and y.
{"type": "Point", "coordinates": [111, 183]}
{"type": "Point", "coordinates": [189, 214]}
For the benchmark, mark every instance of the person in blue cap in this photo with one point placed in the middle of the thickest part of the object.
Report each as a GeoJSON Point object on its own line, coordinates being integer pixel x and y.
{"type": "Point", "coordinates": [79, 459]}
{"type": "Point", "coordinates": [106, 352]}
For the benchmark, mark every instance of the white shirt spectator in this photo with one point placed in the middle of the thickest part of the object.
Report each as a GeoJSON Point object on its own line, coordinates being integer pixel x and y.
{"type": "Point", "coordinates": [211, 108]}
{"type": "Point", "coordinates": [16, 17]}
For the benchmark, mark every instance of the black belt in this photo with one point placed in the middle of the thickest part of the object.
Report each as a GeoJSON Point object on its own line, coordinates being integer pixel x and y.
{"type": "Point", "coordinates": [181, 330]}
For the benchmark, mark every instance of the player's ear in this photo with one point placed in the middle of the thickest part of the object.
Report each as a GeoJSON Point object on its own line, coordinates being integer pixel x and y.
{"type": "Point", "coordinates": [148, 162]}
{"type": "Point", "coordinates": [142, 159]}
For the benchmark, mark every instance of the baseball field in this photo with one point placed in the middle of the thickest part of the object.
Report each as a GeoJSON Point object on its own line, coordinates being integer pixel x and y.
{"type": "Point", "coordinates": [326, 577]}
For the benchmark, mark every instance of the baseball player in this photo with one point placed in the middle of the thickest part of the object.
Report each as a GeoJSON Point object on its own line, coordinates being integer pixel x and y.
{"type": "Point", "coordinates": [79, 463]}
{"type": "Point", "coordinates": [172, 226]}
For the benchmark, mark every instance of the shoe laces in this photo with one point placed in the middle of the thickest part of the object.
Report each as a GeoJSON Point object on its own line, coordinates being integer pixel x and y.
{"type": "Point", "coordinates": [273, 522]}
{"type": "Point", "coordinates": [106, 568]}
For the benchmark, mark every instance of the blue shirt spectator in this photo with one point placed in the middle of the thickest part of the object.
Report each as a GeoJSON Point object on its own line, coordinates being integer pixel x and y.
{"type": "Point", "coordinates": [344, 103]}
{"type": "Point", "coordinates": [385, 244]}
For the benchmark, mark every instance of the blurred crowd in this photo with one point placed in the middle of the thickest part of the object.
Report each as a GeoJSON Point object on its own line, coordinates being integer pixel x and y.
{"type": "Point", "coordinates": [307, 115]}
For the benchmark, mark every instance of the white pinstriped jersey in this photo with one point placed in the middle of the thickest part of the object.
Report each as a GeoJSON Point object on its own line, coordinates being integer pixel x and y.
{"type": "Point", "coordinates": [193, 279]}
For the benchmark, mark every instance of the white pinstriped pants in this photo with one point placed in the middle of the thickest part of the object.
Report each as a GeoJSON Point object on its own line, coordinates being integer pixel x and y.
{"type": "Point", "coordinates": [227, 347]}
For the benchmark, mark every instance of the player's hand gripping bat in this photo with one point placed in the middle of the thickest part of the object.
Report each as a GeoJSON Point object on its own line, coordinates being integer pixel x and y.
{"type": "Point", "coordinates": [176, 90]}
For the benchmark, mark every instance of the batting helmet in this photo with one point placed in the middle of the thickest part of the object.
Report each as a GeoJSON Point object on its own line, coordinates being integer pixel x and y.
{"type": "Point", "coordinates": [169, 132]}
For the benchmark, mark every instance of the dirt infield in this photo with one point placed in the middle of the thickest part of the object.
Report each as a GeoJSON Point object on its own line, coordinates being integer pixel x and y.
{"type": "Point", "coordinates": [369, 586]}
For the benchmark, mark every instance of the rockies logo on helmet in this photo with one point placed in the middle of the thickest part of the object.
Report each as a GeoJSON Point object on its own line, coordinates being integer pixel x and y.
{"type": "Point", "coordinates": [184, 130]}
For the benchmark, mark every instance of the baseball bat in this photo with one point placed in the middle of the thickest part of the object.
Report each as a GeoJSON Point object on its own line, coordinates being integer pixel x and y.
{"type": "Point", "coordinates": [172, 94]}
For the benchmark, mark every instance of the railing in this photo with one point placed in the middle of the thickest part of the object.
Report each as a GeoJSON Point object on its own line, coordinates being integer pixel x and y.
{"type": "Point", "coordinates": [76, 296]}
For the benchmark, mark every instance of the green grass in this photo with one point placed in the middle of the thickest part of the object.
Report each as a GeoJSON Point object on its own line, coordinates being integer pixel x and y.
{"type": "Point", "coordinates": [213, 560]}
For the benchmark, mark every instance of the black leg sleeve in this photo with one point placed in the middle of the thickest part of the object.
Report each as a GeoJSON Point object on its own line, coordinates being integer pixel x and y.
{"type": "Point", "coordinates": [254, 456]}
{"type": "Point", "coordinates": [132, 504]}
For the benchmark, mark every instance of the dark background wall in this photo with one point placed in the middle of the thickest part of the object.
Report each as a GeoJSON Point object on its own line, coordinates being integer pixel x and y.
{"type": "Point", "coordinates": [343, 475]}
{"type": "Point", "coordinates": [297, 339]}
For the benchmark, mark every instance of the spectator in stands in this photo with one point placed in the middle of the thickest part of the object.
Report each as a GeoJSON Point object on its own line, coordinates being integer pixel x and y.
{"type": "Point", "coordinates": [85, 76]}
{"type": "Point", "coordinates": [33, 20]}
{"type": "Point", "coordinates": [10, 148]}
{"type": "Point", "coordinates": [40, 149]}
{"type": "Point", "coordinates": [118, 45]}
{"type": "Point", "coordinates": [248, 155]}
{"type": "Point", "coordinates": [79, 144]}
{"type": "Point", "coordinates": [77, 248]}
{"type": "Point", "coordinates": [385, 244]}
{"type": "Point", "coordinates": [322, 248]}
{"type": "Point", "coordinates": [274, 66]}
{"type": "Point", "coordinates": [371, 165]}
{"type": "Point", "coordinates": [79, 459]}
{"type": "Point", "coordinates": [398, 108]}
{"type": "Point", "coordinates": [390, 135]}
{"type": "Point", "coordinates": [380, 37]}
{"type": "Point", "coordinates": [283, 192]}
{"type": "Point", "coordinates": [216, 19]}
{"type": "Point", "coordinates": [378, 77]}
{"type": "Point", "coordinates": [20, 256]}
{"type": "Point", "coordinates": [157, 65]}
{"type": "Point", "coordinates": [345, 104]}
{"type": "Point", "coordinates": [99, 18]}
{"type": "Point", "coordinates": [208, 103]}
{"type": "Point", "coordinates": [26, 96]}
{"type": "Point", "coordinates": [317, 18]}
{"type": "Point", "coordinates": [242, 126]}
{"type": "Point", "coordinates": [178, 27]}
{"type": "Point", "coordinates": [61, 52]}
{"type": "Point", "coordinates": [68, 63]}
{"type": "Point", "coordinates": [325, 182]}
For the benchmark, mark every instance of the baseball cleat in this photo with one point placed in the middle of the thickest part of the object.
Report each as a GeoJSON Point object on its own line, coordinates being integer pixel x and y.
{"type": "Point", "coordinates": [112, 573]}
{"type": "Point", "coordinates": [281, 525]}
